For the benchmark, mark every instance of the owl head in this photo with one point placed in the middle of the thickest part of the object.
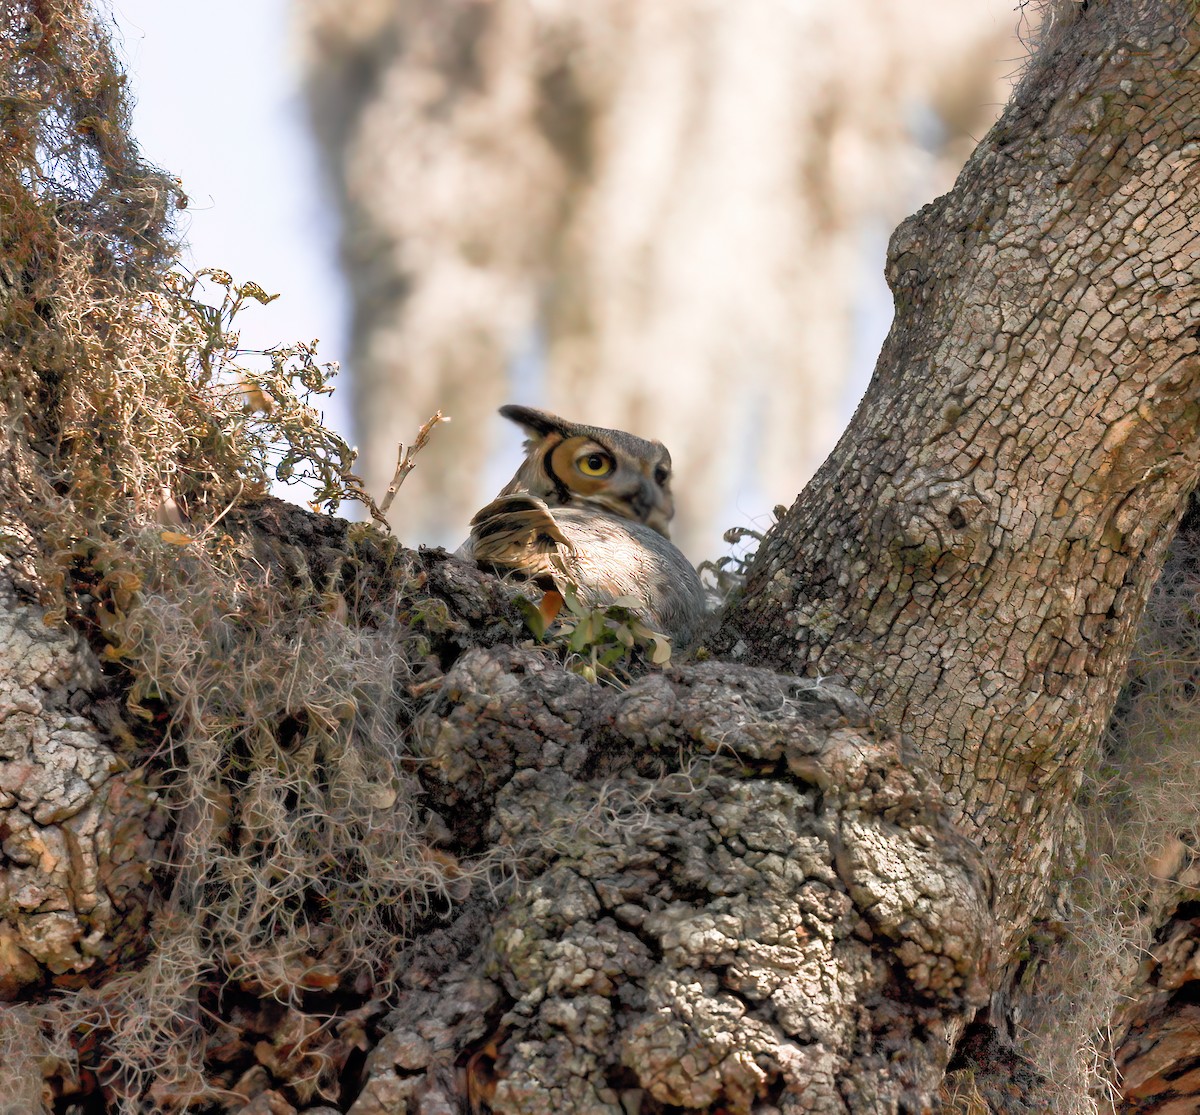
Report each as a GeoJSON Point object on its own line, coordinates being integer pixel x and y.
{"type": "Point", "coordinates": [567, 464]}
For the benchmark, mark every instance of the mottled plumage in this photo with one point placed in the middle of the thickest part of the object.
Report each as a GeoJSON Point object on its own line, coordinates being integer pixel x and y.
{"type": "Point", "coordinates": [590, 508]}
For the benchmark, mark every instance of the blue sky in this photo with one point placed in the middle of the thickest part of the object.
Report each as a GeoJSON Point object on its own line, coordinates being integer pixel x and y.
{"type": "Point", "coordinates": [218, 104]}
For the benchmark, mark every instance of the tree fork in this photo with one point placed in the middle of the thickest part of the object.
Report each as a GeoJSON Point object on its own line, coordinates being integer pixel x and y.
{"type": "Point", "coordinates": [737, 890]}
{"type": "Point", "coordinates": [974, 556]}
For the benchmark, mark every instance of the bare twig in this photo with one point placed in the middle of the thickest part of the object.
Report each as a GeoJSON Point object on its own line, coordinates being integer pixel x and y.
{"type": "Point", "coordinates": [406, 459]}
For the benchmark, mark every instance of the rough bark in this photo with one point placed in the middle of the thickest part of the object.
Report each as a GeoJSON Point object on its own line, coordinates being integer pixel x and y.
{"type": "Point", "coordinates": [721, 887]}
{"type": "Point", "coordinates": [1157, 1060]}
{"type": "Point", "coordinates": [78, 829]}
{"type": "Point", "coordinates": [724, 887]}
{"type": "Point", "coordinates": [735, 892]}
{"type": "Point", "coordinates": [974, 556]}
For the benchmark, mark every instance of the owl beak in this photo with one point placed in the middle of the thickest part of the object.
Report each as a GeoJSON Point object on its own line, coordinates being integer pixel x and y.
{"type": "Point", "coordinates": [656, 520]}
{"type": "Point", "coordinates": [653, 509]}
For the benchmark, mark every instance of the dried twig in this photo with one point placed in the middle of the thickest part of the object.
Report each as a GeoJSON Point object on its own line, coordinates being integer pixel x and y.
{"type": "Point", "coordinates": [406, 459]}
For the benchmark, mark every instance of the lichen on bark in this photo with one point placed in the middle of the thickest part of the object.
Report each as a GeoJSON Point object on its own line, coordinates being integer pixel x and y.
{"type": "Point", "coordinates": [80, 831]}
{"type": "Point", "coordinates": [723, 886]}
{"type": "Point", "coordinates": [729, 888]}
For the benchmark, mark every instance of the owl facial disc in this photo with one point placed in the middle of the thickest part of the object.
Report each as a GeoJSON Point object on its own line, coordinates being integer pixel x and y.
{"type": "Point", "coordinates": [570, 464]}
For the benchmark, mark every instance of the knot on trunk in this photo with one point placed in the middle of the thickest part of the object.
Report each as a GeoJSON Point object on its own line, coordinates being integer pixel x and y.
{"type": "Point", "coordinates": [937, 523]}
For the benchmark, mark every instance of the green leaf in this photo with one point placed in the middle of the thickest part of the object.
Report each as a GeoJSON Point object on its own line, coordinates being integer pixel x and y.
{"type": "Point", "coordinates": [662, 651]}
{"type": "Point", "coordinates": [630, 602]}
{"type": "Point", "coordinates": [611, 656]}
{"type": "Point", "coordinates": [574, 605]}
{"type": "Point", "coordinates": [533, 617]}
{"type": "Point", "coordinates": [582, 636]}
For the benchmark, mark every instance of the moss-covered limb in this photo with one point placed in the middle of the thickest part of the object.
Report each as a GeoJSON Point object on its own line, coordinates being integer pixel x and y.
{"type": "Point", "coordinates": [730, 889]}
{"type": "Point", "coordinates": [262, 681]}
{"type": "Point", "coordinates": [82, 827]}
{"type": "Point", "coordinates": [974, 556]}
{"type": "Point", "coordinates": [714, 868]}
{"type": "Point", "coordinates": [357, 573]}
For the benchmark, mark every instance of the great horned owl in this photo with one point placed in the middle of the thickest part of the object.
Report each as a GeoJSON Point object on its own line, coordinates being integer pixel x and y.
{"type": "Point", "coordinates": [571, 465]}
{"type": "Point", "coordinates": [590, 508]}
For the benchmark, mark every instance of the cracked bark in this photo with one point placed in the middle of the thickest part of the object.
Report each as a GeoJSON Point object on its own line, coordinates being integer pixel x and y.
{"type": "Point", "coordinates": [78, 830]}
{"type": "Point", "coordinates": [975, 555]}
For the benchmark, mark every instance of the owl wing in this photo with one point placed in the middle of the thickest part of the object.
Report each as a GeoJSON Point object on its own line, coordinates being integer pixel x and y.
{"type": "Point", "coordinates": [604, 557]}
{"type": "Point", "coordinates": [518, 534]}
{"type": "Point", "coordinates": [615, 557]}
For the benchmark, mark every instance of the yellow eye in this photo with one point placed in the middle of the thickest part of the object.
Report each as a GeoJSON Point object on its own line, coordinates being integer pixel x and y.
{"type": "Point", "coordinates": [595, 464]}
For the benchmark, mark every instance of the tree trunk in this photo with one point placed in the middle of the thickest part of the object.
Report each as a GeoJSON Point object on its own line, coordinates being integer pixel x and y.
{"type": "Point", "coordinates": [975, 555]}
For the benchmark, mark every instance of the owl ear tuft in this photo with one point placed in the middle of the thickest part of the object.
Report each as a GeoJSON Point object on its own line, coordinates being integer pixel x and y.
{"type": "Point", "coordinates": [537, 423]}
